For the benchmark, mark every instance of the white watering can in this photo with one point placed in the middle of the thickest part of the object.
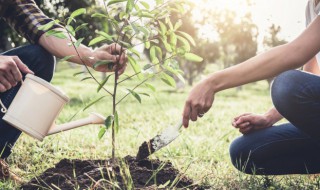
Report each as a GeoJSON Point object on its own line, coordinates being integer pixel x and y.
{"type": "Point", "coordinates": [36, 106]}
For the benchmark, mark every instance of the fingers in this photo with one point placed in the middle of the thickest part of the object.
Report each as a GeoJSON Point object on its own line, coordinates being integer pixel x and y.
{"type": "Point", "coordinates": [186, 114]}
{"type": "Point", "coordinates": [20, 66]}
{"type": "Point", "coordinates": [246, 130]}
{"type": "Point", "coordinates": [5, 83]}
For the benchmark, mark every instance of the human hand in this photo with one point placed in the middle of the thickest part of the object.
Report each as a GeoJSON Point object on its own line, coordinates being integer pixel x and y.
{"type": "Point", "coordinates": [10, 75]}
{"type": "Point", "coordinates": [198, 103]}
{"type": "Point", "coordinates": [248, 122]}
{"type": "Point", "coordinates": [112, 53]}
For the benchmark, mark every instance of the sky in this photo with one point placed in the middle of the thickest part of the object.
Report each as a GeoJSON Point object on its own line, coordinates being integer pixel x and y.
{"type": "Point", "coordinates": [288, 14]}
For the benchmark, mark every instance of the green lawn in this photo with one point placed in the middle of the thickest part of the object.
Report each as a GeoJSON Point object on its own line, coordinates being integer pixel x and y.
{"type": "Point", "coordinates": [201, 151]}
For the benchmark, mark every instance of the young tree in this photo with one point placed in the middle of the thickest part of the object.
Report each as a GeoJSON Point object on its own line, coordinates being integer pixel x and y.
{"type": "Point", "coordinates": [137, 23]}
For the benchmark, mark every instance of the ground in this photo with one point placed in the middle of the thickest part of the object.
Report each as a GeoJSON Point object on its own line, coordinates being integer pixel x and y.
{"type": "Point", "coordinates": [201, 152]}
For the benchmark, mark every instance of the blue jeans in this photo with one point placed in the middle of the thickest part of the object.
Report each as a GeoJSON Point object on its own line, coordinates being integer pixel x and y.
{"type": "Point", "coordinates": [291, 148]}
{"type": "Point", "coordinates": [42, 64]}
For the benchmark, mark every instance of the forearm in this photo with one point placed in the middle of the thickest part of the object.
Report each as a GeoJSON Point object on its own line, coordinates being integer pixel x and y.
{"type": "Point", "coordinates": [273, 116]}
{"type": "Point", "coordinates": [312, 66]}
{"type": "Point", "coordinates": [270, 63]}
{"type": "Point", "coordinates": [63, 47]}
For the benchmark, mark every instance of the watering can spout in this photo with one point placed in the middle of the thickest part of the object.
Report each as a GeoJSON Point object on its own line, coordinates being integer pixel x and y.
{"type": "Point", "coordinates": [93, 118]}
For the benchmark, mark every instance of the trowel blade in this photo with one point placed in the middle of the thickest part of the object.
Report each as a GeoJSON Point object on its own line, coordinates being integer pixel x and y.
{"type": "Point", "coordinates": [161, 140]}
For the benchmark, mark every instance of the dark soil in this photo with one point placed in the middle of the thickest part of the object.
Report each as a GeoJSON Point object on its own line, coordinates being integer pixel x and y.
{"type": "Point", "coordinates": [145, 150]}
{"type": "Point", "coordinates": [99, 174]}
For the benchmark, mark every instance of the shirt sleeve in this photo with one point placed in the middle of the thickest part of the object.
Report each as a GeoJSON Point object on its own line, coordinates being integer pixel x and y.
{"type": "Point", "coordinates": [25, 17]}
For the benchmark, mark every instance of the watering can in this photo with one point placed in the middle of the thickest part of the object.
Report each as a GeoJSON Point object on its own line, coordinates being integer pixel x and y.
{"type": "Point", "coordinates": [37, 105]}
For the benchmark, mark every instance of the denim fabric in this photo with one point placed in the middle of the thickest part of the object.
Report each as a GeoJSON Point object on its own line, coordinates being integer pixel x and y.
{"type": "Point", "coordinates": [42, 63]}
{"type": "Point", "coordinates": [291, 148]}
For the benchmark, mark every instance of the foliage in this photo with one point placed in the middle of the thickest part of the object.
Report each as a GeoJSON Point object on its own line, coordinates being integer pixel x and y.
{"type": "Point", "coordinates": [134, 22]}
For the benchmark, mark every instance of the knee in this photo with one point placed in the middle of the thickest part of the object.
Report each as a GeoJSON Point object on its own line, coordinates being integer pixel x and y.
{"type": "Point", "coordinates": [240, 155]}
{"type": "Point", "coordinates": [285, 89]}
{"type": "Point", "coordinates": [44, 62]}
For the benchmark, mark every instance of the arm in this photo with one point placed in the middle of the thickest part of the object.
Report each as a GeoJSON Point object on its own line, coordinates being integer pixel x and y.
{"type": "Point", "coordinates": [61, 48]}
{"type": "Point", "coordinates": [312, 66]}
{"type": "Point", "coordinates": [266, 65]}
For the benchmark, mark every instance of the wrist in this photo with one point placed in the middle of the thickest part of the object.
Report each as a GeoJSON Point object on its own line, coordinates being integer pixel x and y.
{"type": "Point", "coordinates": [87, 56]}
{"type": "Point", "coordinates": [216, 82]}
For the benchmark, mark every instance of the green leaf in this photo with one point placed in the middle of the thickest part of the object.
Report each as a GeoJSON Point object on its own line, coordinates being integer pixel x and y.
{"type": "Point", "coordinates": [147, 66]}
{"type": "Point", "coordinates": [115, 1]}
{"type": "Point", "coordinates": [78, 73]}
{"type": "Point", "coordinates": [132, 50]}
{"type": "Point", "coordinates": [163, 28]}
{"type": "Point", "coordinates": [108, 121]}
{"type": "Point", "coordinates": [153, 56]}
{"type": "Point", "coordinates": [81, 27]}
{"type": "Point", "coordinates": [47, 26]}
{"type": "Point", "coordinates": [129, 6]}
{"type": "Point", "coordinates": [168, 80]}
{"type": "Point", "coordinates": [78, 42]}
{"type": "Point", "coordinates": [66, 58]}
{"type": "Point", "coordinates": [159, 52]}
{"type": "Point", "coordinates": [185, 43]}
{"type": "Point", "coordinates": [102, 132]}
{"type": "Point", "coordinates": [145, 4]}
{"type": "Point", "coordinates": [76, 13]}
{"type": "Point", "coordinates": [93, 102]}
{"type": "Point", "coordinates": [145, 94]}
{"type": "Point", "coordinates": [103, 83]}
{"type": "Point", "coordinates": [86, 78]}
{"type": "Point", "coordinates": [57, 34]}
{"type": "Point", "coordinates": [105, 35]}
{"type": "Point", "coordinates": [147, 44]}
{"type": "Point", "coordinates": [177, 25]}
{"type": "Point", "coordinates": [104, 62]}
{"type": "Point", "coordinates": [116, 122]}
{"type": "Point", "coordinates": [173, 39]}
{"type": "Point", "coordinates": [188, 37]}
{"type": "Point", "coordinates": [133, 93]}
{"type": "Point", "coordinates": [150, 87]}
{"type": "Point", "coordinates": [97, 40]}
{"type": "Point", "coordinates": [70, 30]}
{"type": "Point", "coordinates": [135, 66]}
{"type": "Point", "coordinates": [193, 57]}
{"type": "Point", "coordinates": [99, 15]}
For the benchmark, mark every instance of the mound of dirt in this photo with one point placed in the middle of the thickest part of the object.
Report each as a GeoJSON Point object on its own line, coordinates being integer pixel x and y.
{"type": "Point", "coordinates": [99, 174]}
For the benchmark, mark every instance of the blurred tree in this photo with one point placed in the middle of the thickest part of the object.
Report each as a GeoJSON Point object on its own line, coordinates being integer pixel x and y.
{"type": "Point", "coordinates": [273, 40]}
{"type": "Point", "coordinates": [238, 37]}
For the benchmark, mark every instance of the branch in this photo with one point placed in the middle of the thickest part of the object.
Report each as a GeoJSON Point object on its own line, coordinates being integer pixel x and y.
{"type": "Point", "coordinates": [145, 80]}
{"type": "Point", "coordinates": [129, 77]}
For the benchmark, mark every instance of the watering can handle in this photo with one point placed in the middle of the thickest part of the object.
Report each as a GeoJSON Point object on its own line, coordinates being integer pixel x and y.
{"type": "Point", "coordinates": [4, 108]}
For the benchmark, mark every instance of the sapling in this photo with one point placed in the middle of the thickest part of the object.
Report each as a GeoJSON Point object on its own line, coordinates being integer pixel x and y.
{"type": "Point", "coordinates": [133, 23]}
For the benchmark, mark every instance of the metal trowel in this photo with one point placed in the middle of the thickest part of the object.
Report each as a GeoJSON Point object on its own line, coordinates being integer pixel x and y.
{"type": "Point", "coordinates": [161, 140]}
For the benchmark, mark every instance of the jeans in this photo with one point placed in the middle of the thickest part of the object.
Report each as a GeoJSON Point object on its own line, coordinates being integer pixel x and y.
{"type": "Point", "coordinates": [42, 63]}
{"type": "Point", "coordinates": [291, 148]}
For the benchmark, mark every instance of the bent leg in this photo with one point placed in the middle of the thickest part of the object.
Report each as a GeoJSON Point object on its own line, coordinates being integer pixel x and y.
{"type": "Point", "coordinates": [42, 64]}
{"type": "Point", "coordinates": [276, 150]}
{"type": "Point", "coordinates": [296, 95]}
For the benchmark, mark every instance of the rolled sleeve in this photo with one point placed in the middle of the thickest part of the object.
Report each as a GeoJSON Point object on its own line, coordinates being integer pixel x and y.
{"type": "Point", "coordinates": [25, 17]}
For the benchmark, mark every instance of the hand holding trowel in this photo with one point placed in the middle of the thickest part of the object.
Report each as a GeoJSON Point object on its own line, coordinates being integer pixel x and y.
{"type": "Point", "coordinates": [161, 140]}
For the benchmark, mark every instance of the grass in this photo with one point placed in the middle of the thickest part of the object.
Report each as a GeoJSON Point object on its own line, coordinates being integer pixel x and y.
{"type": "Point", "coordinates": [201, 150]}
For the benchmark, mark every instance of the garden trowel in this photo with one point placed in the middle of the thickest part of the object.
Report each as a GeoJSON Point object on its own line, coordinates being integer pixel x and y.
{"type": "Point", "coordinates": [161, 140]}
